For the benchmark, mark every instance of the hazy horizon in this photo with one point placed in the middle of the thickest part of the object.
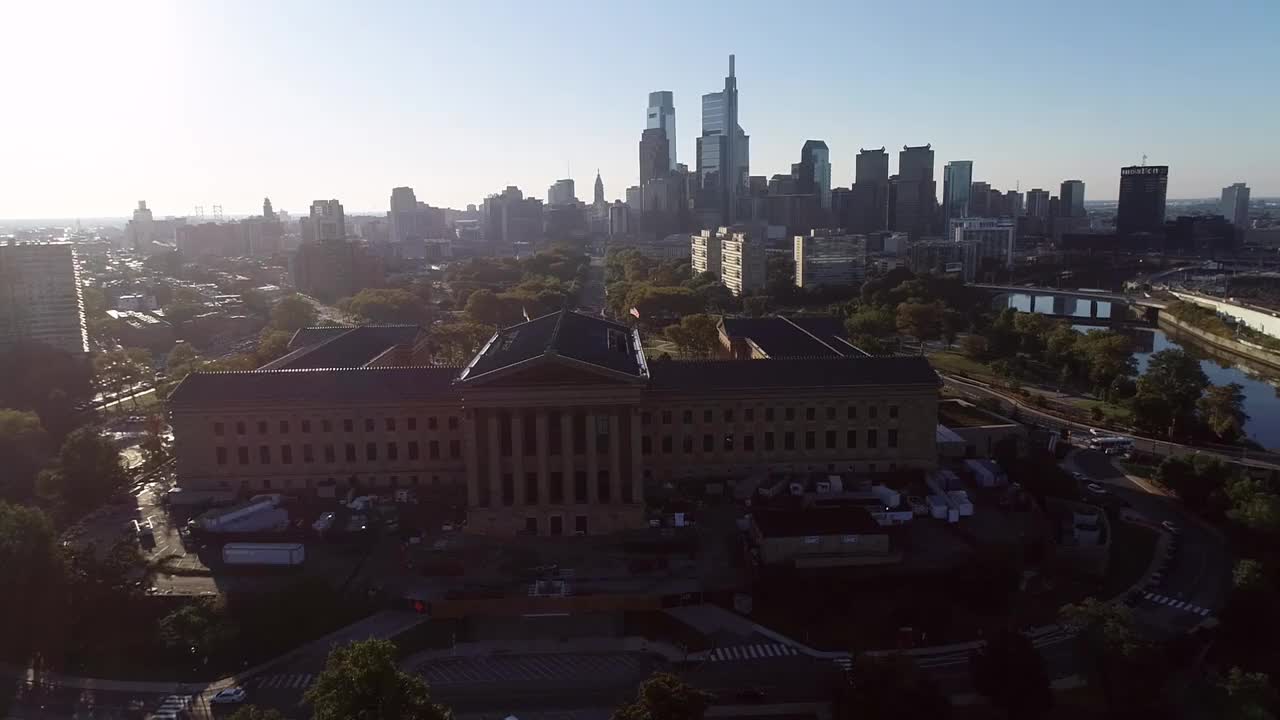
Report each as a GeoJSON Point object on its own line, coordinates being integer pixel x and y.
{"type": "Point", "coordinates": [211, 104]}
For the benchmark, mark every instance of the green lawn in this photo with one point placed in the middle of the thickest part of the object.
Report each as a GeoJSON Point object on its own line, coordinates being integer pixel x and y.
{"type": "Point", "coordinates": [1118, 414]}
{"type": "Point", "coordinates": [957, 364]}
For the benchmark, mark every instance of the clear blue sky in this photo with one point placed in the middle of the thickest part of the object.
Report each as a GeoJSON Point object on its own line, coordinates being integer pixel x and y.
{"type": "Point", "coordinates": [202, 103]}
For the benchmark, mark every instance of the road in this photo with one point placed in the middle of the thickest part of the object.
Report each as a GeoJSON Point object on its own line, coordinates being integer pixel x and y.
{"type": "Point", "coordinates": [1199, 570]}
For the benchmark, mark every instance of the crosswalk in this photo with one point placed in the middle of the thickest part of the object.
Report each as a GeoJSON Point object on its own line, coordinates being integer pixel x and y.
{"type": "Point", "coordinates": [283, 681]}
{"type": "Point", "coordinates": [173, 705]}
{"type": "Point", "coordinates": [1176, 604]}
{"type": "Point", "coordinates": [751, 652]}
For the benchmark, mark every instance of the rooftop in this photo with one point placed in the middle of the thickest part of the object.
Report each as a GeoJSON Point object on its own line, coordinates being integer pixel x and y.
{"type": "Point", "coordinates": [803, 336]}
{"type": "Point", "coordinates": [327, 386]}
{"type": "Point", "coordinates": [955, 413]}
{"type": "Point", "coordinates": [343, 346]}
{"type": "Point", "coordinates": [819, 372]}
{"type": "Point", "coordinates": [565, 333]}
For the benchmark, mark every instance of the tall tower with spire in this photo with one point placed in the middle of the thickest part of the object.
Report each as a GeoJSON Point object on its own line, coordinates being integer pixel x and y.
{"type": "Point", "coordinates": [267, 211]}
{"type": "Point", "coordinates": [598, 199]}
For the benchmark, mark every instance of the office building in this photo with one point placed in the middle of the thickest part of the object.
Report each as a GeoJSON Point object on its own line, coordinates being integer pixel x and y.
{"type": "Point", "coordinates": [597, 197]}
{"type": "Point", "coordinates": [619, 219]}
{"type": "Point", "coordinates": [327, 221]}
{"type": "Point", "coordinates": [705, 252]}
{"type": "Point", "coordinates": [413, 221]}
{"type": "Point", "coordinates": [334, 269]}
{"type": "Point", "coordinates": [813, 173]}
{"type": "Point", "coordinates": [980, 195]}
{"type": "Point", "coordinates": [510, 220]}
{"type": "Point", "coordinates": [1071, 199]}
{"type": "Point", "coordinates": [992, 239]}
{"type": "Point", "coordinates": [662, 116]}
{"type": "Point", "coordinates": [1038, 203]}
{"type": "Point", "coordinates": [143, 231]}
{"type": "Point", "coordinates": [941, 257]}
{"type": "Point", "coordinates": [561, 193]}
{"type": "Point", "coordinates": [870, 193]}
{"type": "Point", "coordinates": [634, 199]}
{"type": "Point", "coordinates": [1142, 199]}
{"type": "Point", "coordinates": [957, 182]}
{"type": "Point", "coordinates": [828, 259]}
{"type": "Point", "coordinates": [1235, 205]}
{"type": "Point", "coordinates": [655, 158]}
{"type": "Point", "coordinates": [915, 193]}
{"type": "Point", "coordinates": [723, 155]}
{"type": "Point", "coordinates": [557, 427]}
{"type": "Point", "coordinates": [40, 299]}
{"type": "Point", "coordinates": [1013, 203]}
{"type": "Point", "coordinates": [742, 261]}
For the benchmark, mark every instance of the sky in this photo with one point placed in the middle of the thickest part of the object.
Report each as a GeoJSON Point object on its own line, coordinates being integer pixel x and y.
{"type": "Point", "coordinates": [187, 102]}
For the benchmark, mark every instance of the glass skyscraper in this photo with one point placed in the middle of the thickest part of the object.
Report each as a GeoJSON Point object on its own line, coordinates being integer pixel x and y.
{"type": "Point", "coordinates": [723, 154]}
{"type": "Point", "coordinates": [957, 180]}
{"type": "Point", "coordinates": [662, 115]}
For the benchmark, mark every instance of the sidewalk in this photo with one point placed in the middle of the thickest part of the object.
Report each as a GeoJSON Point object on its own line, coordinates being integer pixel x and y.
{"type": "Point", "coordinates": [575, 646]}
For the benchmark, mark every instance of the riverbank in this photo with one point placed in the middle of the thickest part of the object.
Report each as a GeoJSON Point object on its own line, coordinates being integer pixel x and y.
{"type": "Point", "coordinates": [1179, 329]}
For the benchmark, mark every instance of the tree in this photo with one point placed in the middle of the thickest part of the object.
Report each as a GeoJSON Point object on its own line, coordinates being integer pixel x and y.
{"type": "Point", "coordinates": [923, 321]}
{"type": "Point", "coordinates": [1250, 695]}
{"type": "Point", "coordinates": [457, 343]}
{"type": "Point", "coordinates": [1253, 505]}
{"type": "Point", "coordinates": [1010, 672]}
{"type": "Point", "coordinates": [1247, 575]}
{"type": "Point", "coordinates": [695, 335]}
{"type": "Point", "coordinates": [1107, 357]}
{"type": "Point", "coordinates": [153, 446]}
{"type": "Point", "coordinates": [197, 630]}
{"type": "Point", "coordinates": [361, 680]}
{"type": "Point", "coordinates": [29, 569]}
{"type": "Point", "coordinates": [1168, 393]}
{"type": "Point", "coordinates": [1222, 410]}
{"type": "Point", "coordinates": [484, 308]}
{"type": "Point", "coordinates": [1130, 671]}
{"type": "Point", "coordinates": [974, 347]}
{"type": "Point", "coordinates": [876, 322]}
{"type": "Point", "coordinates": [664, 696]}
{"type": "Point", "coordinates": [272, 344]}
{"type": "Point", "coordinates": [24, 448]}
{"type": "Point", "coordinates": [391, 307]}
{"type": "Point", "coordinates": [756, 305]}
{"type": "Point", "coordinates": [292, 313]}
{"type": "Point", "coordinates": [87, 473]}
{"type": "Point", "coordinates": [888, 688]}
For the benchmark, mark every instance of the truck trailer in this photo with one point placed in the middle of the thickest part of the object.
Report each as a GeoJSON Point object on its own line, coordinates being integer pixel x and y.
{"type": "Point", "coordinates": [264, 554]}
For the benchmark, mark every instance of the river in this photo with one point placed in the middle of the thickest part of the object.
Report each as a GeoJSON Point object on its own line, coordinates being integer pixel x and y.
{"type": "Point", "coordinates": [1261, 390]}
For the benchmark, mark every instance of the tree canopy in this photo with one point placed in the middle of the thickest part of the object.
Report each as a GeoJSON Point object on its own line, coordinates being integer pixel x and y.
{"type": "Point", "coordinates": [664, 696]}
{"type": "Point", "coordinates": [24, 449]}
{"type": "Point", "coordinates": [1010, 672]}
{"type": "Point", "coordinates": [888, 687]}
{"type": "Point", "coordinates": [361, 680]}
{"type": "Point", "coordinates": [389, 306]}
{"type": "Point", "coordinates": [87, 473]}
{"type": "Point", "coordinates": [292, 313]}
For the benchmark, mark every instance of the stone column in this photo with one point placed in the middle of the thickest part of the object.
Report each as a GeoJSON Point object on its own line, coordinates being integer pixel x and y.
{"type": "Point", "coordinates": [495, 462]}
{"type": "Point", "coordinates": [544, 473]}
{"type": "Point", "coordinates": [593, 457]}
{"type": "Point", "coordinates": [473, 459]}
{"type": "Point", "coordinates": [637, 469]}
{"type": "Point", "coordinates": [517, 456]}
{"type": "Point", "coordinates": [615, 458]}
{"type": "Point", "coordinates": [566, 456]}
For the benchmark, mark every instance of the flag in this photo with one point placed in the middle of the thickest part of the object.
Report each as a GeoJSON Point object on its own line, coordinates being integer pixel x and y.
{"type": "Point", "coordinates": [636, 313]}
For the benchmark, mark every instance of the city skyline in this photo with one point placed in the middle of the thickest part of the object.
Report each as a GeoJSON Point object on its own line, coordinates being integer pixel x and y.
{"type": "Point", "coordinates": [103, 123]}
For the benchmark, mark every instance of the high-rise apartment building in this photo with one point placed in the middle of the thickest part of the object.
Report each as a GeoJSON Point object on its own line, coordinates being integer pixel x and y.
{"type": "Point", "coordinates": [655, 156]}
{"type": "Point", "coordinates": [327, 221]}
{"type": "Point", "coordinates": [414, 221]}
{"type": "Point", "coordinates": [813, 173]}
{"type": "Point", "coordinates": [957, 181]}
{"type": "Point", "coordinates": [825, 258]}
{"type": "Point", "coordinates": [1235, 205]}
{"type": "Point", "coordinates": [1142, 199]}
{"type": "Point", "coordinates": [705, 252]}
{"type": "Point", "coordinates": [1071, 199]}
{"type": "Point", "coordinates": [742, 261]}
{"type": "Point", "coordinates": [1013, 203]}
{"type": "Point", "coordinates": [979, 199]}
{"type": "Point", "coordinates": [662, 116]}
{"type": "Point", "coordinates": [723, 154]}
{"type": "Point", "coordinates": [40, 299]}
{"type": "Point", "coordinates": [916, 192]}
{"type": "Point", "coordinates": [989, 238]}
{"type": "Point", "coordinates": [511, 220]}
{"type": "Point", "coordinates": [561, 192]}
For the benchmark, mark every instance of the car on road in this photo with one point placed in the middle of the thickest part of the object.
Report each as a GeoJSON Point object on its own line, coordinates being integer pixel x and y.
{"type": "Point", "coordinates": [1171, 527]}
{"type": "Point", "coordinates": [754, 695]}
{"type": "Point", "coordinates": [1096, 489]}
{"type": "Point", "coordinates": [228, 696]}
{"type": "Point", "coordinates": [1079, 476]}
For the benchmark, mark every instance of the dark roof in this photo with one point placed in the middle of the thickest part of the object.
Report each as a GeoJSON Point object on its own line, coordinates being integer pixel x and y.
{"type": "Point", "coordinates": [782, 337]}
{"type": "Point", "coordinates": [845, 520]}
{"type": "Point", "coordinates": [819, 372]}
{"type": "Point", "coordinates": [352, 385]}
{"type": "Point", "coordinates": [312, 335]}
{"type": "Point", "coordinates": [569, 334]}
{"type": "Point", "coordinates": [344, 347]}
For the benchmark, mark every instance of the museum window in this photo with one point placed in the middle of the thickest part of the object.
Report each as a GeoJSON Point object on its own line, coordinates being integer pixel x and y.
{"type": "Point", "coordinates": [789, 441]}
{"type": "Point", "coordinates": [218, 429]}
{"type": "Point", "coordinates": [831, 439]}
{"type": "Point", "coordinates": [393, 451]}
{"type": "Point", "coordinates": [687, 443]}
{"type": "Point", "coordinates": [390, 424]}
{"type": "Point", "coordinates": [262, 427]}
{"type": "Point", "coordinates": [557, 488]}
{"type": "Point", "coordinates": [728, 415]}
{"type": "Point", "coordinates": [708, 443]}
{"type": "Point", "coordinates": [221, 454]}
{"type": "Point", "coordinates": [329, 454]}
{"type": "Point", "coordinates": [871, 438]}
{"type": "Point", "coordinates": [433, 423]}
{"type": "Point", "coordinates": [371, 451]}
{"type": "Point", "coordinates": [264, 454]}
{"type": "Point", "coordinates": [768, 441]}
{"type": "Point", "coordinates": [892, 438]}
{"type": "Point", "coordinates": [242, 454]}
{"type": "Point", "coordinates": [580, 487]}
{"type": "Point", "coordinates": [368, 425]}
{"type": "Point", "coordinates": [728, 442]}
{"type": "Point", "coordinates": [307, 455]}
{"type": "Point", "coordinates": [706, 416]}
{"type": "Point", "coordinates": [351, 452]}
{"type": "Point", "coordinates": [413, 449]}
{"type": "Point", "coordinates": [646, 445]}
{"type": "Point", "coordinates": [348, 425]}
{"type": "Point", "coordinates": [306, 426]}
{"type": "Point", "coordinates": [531, 488]}
{"type": "Point", "coordinates": [749, 414]}
{"type": "Point", "coordinates": [810, 440]}
{"type": "Point", "coordinates": [531, 525]}
{"type": "Point", "coordinates": [433, 449]}
{"type": "Point", "coordinates": [851, 439]}
{"type": "Point", "coordinates": [240, 427]}
{"type": "Point", "coordinates": [871, 412]}
{"type": "Point", "coordinates": [851, 412]}
{"type": "Point", "coordinates": [646, 418]}
{"type": "Point", "coordinates": [789, 414]}
{"type": "Point", "coordinates": [768, 414]}
{"type": "Point", "coordinates": [453, 422]}
{"type": "Point", "coordinates": [580, 524]}
{"type": "Point", "coordinates": [284, 427]}
{"type": "Point", "coordinates": [810, 413]}
{"type": "Point", "coordinates": [286, 454]}
{"type": "Point", "coordinates": [666, 417]}
{"type": "Point", "coordinates": [666, 444]}
{"type": "Point", "coordinates": [604, 491]}
{"type": "Point", "coordinates": [508, 490]}
{"type": "Point", "coordinates": [326, 426]}
{"type": "Point", "coordinates": [687, 417]}
{"type": "Point", "coordinates": [455, 449]}
{"type": "Point", "coordinates": [557, 525]}
{"type": "Point", "coordinates": [893, 412]}
{"type": "Point", "coordinates": [749, 442]}
{"type": "Point", "coordinates": [412, 423]}
{"type": "Point", "coordinates": [831, 413]}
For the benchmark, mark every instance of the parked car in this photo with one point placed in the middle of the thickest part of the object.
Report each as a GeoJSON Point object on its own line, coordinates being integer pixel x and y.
{"type": "Point", "coordinates": [1096, 489]}
{"type": "Point", "coordinates": [1171, 527]}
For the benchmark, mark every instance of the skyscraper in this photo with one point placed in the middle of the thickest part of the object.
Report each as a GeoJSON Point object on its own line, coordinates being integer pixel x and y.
{"type": "Point", "coordinates": [979, 200]}
{"type": "Point", "coordinates": [598, 196]}
{"type": "Point", "coordinates": [561, 192]}
{"type": "Point", "coordinates": [1235, 205]}
{"type": "Point", "coordinates": [1142, 199]}
{"type": "Point", "coordinates": [1038, 203]}
{"type": "Point", "coordinates": [655, 156]}
{"type": "Point", "coordinates": [328, 221]}
{"type": "Point", "coordinates": [1071, 198]}
{"type": "Point", "coordinates": [40, 298]}
{"type": "Point", "coordinates": [662, 116]}
{"type": "Point", "coordinates": [871, 191]}
{"type": "Point", "coordinates": [916, 193]}
{"type": "Point", "coordinates": [723, 154]}
{"type": "Point", "coordinates": [813, 172]}
{"type": "Point", "coordinates": [957, 179]}
{"type": "Point", "coordinates": [412, 220]}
